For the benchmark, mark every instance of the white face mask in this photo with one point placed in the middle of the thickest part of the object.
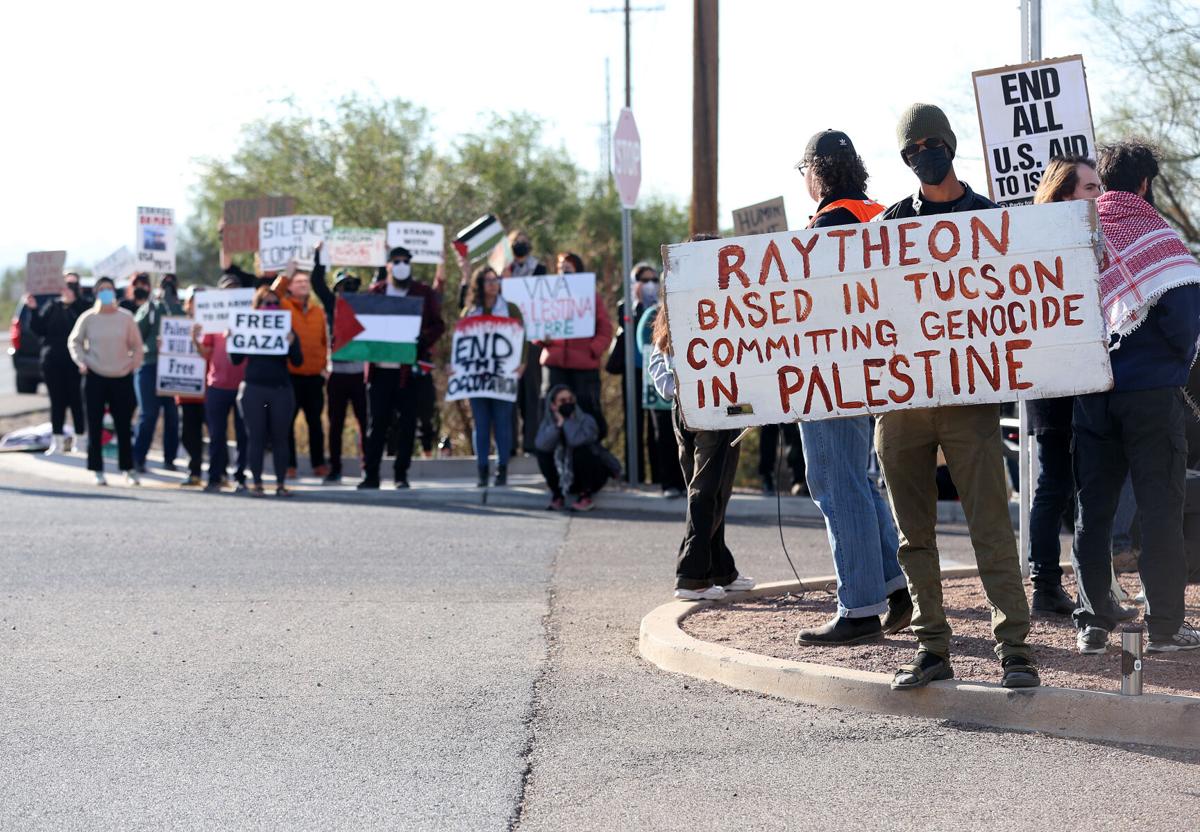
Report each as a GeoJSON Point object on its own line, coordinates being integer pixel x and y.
{"type": "Point", "coordinates": [648, 290]}
{"type": "Point", "coordinates": [401, 271]}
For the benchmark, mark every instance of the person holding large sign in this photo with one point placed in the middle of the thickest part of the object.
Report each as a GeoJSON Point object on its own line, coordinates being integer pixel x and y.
{"type": "Point", "coordinates": [262, 337]}
{"type": "Point", "coordinates": [223, 381]}
{"type": "Point", "coordinates": [837, 452]}
{"type": "Point", "coordinates": [969, 435]}
{"type": "Point", "coordinates": [488, 357]}
{"type": "Point", "coordinates": [149, 318]}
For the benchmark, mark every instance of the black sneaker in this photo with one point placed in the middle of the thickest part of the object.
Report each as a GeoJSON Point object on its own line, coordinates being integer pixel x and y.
{"type": "Point", "coordinates": [167, 466]}
{"type": "Point", "coordinates": [840, 630]}
{"type": "Point", "coordinates": [402, 483]}
{"type": "Point", "coordinates": [1052, 600]}
{"type": "Point", "coordinates": [900, 611]}
{"type": "Point", "coordinates": [1018, 672]}
{"type": "Point", "coordinates": [482, 481]}
{"type": "Point", "coordinates": [332, 478]}
{"type": "Point", "coordinates": [368, 483]}
{"type": "Point", "coordinates": [1092, 640]}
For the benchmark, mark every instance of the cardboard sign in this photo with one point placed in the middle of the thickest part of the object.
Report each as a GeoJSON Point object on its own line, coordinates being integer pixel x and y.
{"type": "Point", "coordinates": [986, 306]}
{"type": "Point", "coordinates": [214, 308]}
{"type": "Point", "coordinates": [426, 240]}
{"type": "Point", "coordinates": [156, 240]}
{"type": "Point", "coordinates": [764, 218]}
{"type": "Point", "coordinates": [484, 358]}
{"type": "Point", "coordinates": [119, 265]}
{"type": "Point", "coordinates": [259, 331]}
{"type": "Point", "coordinates": [284, 239]}
{"type": "Point", "coordinates": [1028, 114]}
{"type": "Point", "coordinates": [355, 247]}
{"type": "Point", "coordinates": [555, 305]}
{"type": "Point", "coordinates": [44, 272]}
{"type": "Point", "coordinates": [181, 369]}
{"type": "Point", "coordinates": [241, 217]}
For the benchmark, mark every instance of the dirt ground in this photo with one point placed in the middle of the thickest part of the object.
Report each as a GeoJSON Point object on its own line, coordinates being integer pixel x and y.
{"type": "Point", "coordinates": [769, 626]}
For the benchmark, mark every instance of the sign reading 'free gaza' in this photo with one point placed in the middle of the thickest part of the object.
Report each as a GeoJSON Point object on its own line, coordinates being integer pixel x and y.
{"type": "Point", "coordinates": [259, 331]}
{"type": "Point", "coordinates": [986, 306]}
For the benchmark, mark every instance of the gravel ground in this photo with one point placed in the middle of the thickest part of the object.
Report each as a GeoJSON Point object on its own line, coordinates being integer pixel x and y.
{"type": "Point", "coordinates": [769, 626]}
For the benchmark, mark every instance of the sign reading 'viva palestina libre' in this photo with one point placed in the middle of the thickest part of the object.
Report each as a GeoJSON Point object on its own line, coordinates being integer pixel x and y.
{"type": "Point", "coordinates": [987, 306]}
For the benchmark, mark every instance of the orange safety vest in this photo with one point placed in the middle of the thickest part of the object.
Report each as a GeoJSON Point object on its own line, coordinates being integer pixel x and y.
{"type": "Point", "coordinates": [864, 210]}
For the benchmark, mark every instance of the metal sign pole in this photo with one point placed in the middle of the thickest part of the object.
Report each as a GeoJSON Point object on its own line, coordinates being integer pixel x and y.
{"type": "Point", "coordinates": [631, 345]}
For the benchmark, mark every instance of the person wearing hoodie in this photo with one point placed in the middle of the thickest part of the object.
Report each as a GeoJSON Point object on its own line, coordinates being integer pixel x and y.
{"type": "Point", "coordinates": [149, 321]}
{"type": "Point", "coordinates": [107, 347]}
{"type": "Point", "coordinates": [1150, 297]}
{"type": "Point", "coordinates": [569, 453]}
{"type": "Point", "coordinates": [837, 452]}
{"type": "Point", "coordinates": [53, 324]}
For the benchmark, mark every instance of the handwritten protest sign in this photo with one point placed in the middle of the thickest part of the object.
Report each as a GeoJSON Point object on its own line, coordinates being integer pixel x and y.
{"type": "Point", "coordinates": [283, 239]}
{"type": "Point", "coordinates": [426, 240]}
{"type": "Point", "coordinates": [240, 232]}
{"type": "Point", "coordinates": [118, 265]}
{"type": "Point", "coordinates": [259, 331]}
{"type": "Point", "coordinates": [44, 272]}
{"type": "Point", "coordinates": [156, 240]}
{"type": "Point", "coordinates": [555, 305]}
{"type": "Point", "coordinates": [355, 247]}
{"type": "Point", "coordinates": [1029, 114]}
{"type": "Point", "coordinates": [484, 358]}
{"type": "Point", "coordinates": [986, 306]}
{"type": "Point", "coordinates": [763, 218]}
{"type": "Point", "coordinates": [214, 308]}
{"type": "Point", "coordinates": [181, 368]}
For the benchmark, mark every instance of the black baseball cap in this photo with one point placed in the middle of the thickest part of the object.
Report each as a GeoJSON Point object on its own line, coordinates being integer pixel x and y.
{"type": "Point", "coordinates": [828, 143]}
{"type": "Point", "coordinates": [399, 251]}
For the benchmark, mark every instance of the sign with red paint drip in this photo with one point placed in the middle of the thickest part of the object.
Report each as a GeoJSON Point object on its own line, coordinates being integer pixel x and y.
{"type": "Point", "coordinates": [987, 306]}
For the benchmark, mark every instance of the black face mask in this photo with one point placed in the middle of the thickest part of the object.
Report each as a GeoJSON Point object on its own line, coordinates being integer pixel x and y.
{"type": "Point", "coordinates": [566, 409]}
{"type": "Point", "coordinates": [141, 294]}
{"type": "Point", "coordinates": [931, 165]}
{"type": "Point", "coordinates": [521, 248]}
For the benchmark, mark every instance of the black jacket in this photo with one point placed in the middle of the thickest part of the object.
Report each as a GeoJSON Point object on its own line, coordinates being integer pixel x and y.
{"type": "Point", "coordinates": [270, 370]}
{"type": "Point", "coordinates": [916, 206]}
{"type": "Point", "coordinates": [53, 323]}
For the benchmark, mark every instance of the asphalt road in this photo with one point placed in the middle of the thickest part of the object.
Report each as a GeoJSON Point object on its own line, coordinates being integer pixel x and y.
{"type": "Point", "coordinates": [172, 660]}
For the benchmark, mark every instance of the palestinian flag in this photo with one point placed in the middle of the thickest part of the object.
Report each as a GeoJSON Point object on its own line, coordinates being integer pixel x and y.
{"type": "Point", "coordinates": [479, 238]}
{"type": "Point", "coordinates": [378, 328]}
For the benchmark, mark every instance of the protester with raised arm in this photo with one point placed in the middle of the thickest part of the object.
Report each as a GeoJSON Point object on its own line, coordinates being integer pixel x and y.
{"type": "Point", "coordinates": [907, 442]}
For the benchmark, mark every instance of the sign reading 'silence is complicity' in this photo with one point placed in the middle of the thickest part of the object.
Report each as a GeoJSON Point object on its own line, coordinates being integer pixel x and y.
{"type": "Point", "coordinates": [987, 306]}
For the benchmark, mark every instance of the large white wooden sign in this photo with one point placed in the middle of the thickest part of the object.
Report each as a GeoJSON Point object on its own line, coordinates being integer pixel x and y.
{"type": "Point", "coordinates": [987, 306]}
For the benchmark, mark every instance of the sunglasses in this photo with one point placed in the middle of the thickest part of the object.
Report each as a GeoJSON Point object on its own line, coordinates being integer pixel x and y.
{"type": "Point", "coordinates": [912, 150]}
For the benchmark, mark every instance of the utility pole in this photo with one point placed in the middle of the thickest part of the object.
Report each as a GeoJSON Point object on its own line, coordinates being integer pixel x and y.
{"type": "Point", "coordinates": [704, 118]}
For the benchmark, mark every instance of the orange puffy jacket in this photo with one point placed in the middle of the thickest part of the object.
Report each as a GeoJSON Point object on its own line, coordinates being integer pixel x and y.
{"type": "Point", "coordinates": [313, 331]}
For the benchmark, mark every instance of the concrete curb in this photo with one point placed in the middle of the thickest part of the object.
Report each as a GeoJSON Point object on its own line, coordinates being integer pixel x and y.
{"type": "Point", "coordinates": [1152, 719]}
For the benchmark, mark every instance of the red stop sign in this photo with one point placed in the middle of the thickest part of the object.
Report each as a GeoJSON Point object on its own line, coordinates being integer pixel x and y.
{"type": "Point", "coordinates": [627, 158]}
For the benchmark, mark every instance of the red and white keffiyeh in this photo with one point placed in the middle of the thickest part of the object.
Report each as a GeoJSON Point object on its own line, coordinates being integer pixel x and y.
{"type": "Point", "coordinates": [1146, 258]}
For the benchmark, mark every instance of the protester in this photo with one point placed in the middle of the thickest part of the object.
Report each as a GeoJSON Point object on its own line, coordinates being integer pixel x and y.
{"type": "Point", "coordinates": [267, 400]}
{"type": "Point", "coordinates": [662, 424]}
{"type": "Point", "coordinates": [1151, 302]}
{"type": "Point", "coordinates": [137, 293]}
{"type": "Point", "coordinates": [768, 464]}
{"type": "Point", "coordinates": [569, 452]}
{"type": "Point", "coordinates": [308, 379]}
{"type": "Point", "coordinates": [53, 324]}
{"type": "Point", "coordinates": [525, 264]}
{"type": "Point", "coordinates": [1049, 422]}
{"type": "Point", "coordinates": [575, 362]}
{"type": "Point", "coordinates": [149, 320]}
{"type": "Point", "coordinates": [837, 452]}
{"type": "Point", "coordinates": [222, 382]}
{"type": "Point", "coordinates": [106, 346]}
{"type": "Point", "coordinates": [347, 385]}
{"type": "Point", "coordinates": [191, 412]}
{"type": "Point", "coordinates": [969, 436]}
{"type": "Point", "coordinates": [705, 568]}
{"type": "Point", "coordinates": [492, 416]}
{"type": "Point", "coordinates": [390, 391]}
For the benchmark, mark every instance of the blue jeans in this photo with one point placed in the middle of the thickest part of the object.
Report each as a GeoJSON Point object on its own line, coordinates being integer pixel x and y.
{"type": "Point", "coordinates": [857, 518]}
{"type": "Point", "coordinates": [148, 407]}
{"type": "Point", "coordinates": [217, 404]}
{"type": "Point", "coordinates": [492, 415]}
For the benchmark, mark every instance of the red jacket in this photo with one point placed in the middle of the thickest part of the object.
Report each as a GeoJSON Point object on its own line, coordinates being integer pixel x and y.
{"type": "Point", "coordinates": [580, 353]}
{"type": "Point", "coordinates": [432, 325]}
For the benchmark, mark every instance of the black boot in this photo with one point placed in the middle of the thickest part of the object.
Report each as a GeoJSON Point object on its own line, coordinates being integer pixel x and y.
{"type": "Point", "coordinates": [483, 478]}
{"type": "Point", "coordinates": [768, 485]}
{"type": "Point", "coordinates": [501, 475]}
{"type": "Point", "coordinates": [1052, 599]}
{"type": "Point", "coordinates": [900, 611]}
{"type": "Point", "coordinates": [839, 630]}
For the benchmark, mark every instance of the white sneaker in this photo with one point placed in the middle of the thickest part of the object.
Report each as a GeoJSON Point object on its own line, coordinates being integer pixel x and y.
{"type": "Point", "coordinates": [712, 593]}
{"type": "Point", "coordinates": [100, 480]}
{"type": "Point", "coordinates": [132, 478]}
{"type": "Point", "coordinates": [1188, 638]}
{"type": "Point", "coordinates": [79, 445]}
{"type": "Point", "coordinates": [56, 445]}
{"type": "Point", "coordinates": [741, 583]}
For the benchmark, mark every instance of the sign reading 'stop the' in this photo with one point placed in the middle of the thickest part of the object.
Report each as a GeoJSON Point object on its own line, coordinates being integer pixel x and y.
{"type": "Point", "coordinates": [1028, 114]}
{"type": "Point", "coordinates": [986, 306]}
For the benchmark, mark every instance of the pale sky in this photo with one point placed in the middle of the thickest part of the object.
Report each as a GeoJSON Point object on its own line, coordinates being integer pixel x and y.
{"type": "Point", "coordinates": [109, 105]}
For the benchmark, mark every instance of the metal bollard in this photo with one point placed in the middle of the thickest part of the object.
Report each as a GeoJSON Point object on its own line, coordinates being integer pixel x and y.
{"type": "Point", "coordinates": [1131, 661]}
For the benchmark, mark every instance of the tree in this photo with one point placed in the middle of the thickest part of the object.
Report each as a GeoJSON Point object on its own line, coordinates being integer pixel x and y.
{"type": "Point", "coordinates": [1158, 47]}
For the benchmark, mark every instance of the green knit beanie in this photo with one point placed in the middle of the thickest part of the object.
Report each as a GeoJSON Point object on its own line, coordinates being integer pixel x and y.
{"type": "Point", "coordinates": [925, 121]}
